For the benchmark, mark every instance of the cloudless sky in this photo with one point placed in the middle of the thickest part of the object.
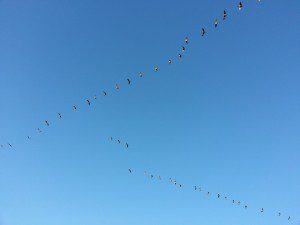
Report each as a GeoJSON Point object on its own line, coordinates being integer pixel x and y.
{"type": "Point", "coordinates": [226, 117]}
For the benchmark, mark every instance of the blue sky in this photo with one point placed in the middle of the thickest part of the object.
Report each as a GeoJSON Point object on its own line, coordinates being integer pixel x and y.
{"type": "Point", "coordinates": [225, 117]}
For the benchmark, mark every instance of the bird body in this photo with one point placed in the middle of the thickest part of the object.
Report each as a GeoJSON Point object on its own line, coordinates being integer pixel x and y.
{"type": "Point", "coordinates": [216, 23]}
{"type": "Point", "coordinates": [240, 6]}
{"type": "Point", "coordinates": [224, 15]}
{"type": "Point", "coordinates": [88, 102]}
{"type": "Point", "coordinates": [128, 81]}
{"type": "Point", "coordinates": [203, 32]}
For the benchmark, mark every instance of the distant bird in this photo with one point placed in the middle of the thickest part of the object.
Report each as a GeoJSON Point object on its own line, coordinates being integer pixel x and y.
{"type": "Point", "coordinates": [224, 15]}
{"type": "Point", "coordinates": [88, 102]}
{"type": "Point", "coordinates": [239, 203]}
{"type": "Point", "coordinates": [262, 210]}
{"type": "Point", "coordinates": [218, 195]}
{"type": "Point", "coordinates": [95, 97]}
{"type": "Point", "coordinates": [111, 138]}
{"type": "Point", "coordinates": [47, 123]}
{"type": "Point", "coordinates": [225, 197]}
{"type": "Point", "coordinates": [140, 74]}
{"type": "Point", "coordinates": [186, 40]}
{"type": "Point", "coordinates": [152, 176]}
{"type": "Point", "coordinates": [200, 189]}
{"type": "Point", "coordinates": [9, 145]}
{"type": "Point", "coordinates": [159, 177]}
{"type": "Point", "coordinates": [246, 207]}
{"type": "Point", "coordinates": [156, 68]}
{"type": "Point", "coordinates": [183, 48]}
{"type": "Point", "coordinates": [195, 187]}
{"type": "Point", "coordinates": [117, 87]}
{"type": "Point", "coordinates": [1, 146]}
{"type": "Point", "coordinates": [203, 32]}
{"type": "Point", "coordinates": [208, 193]}
{"type": "Point", "coordinates": [180, 185]}
{"type": "Point", "coordinates": [289, 218]}
{"type": "Point", "coordinates": [104, 93]}
{"type": "Point", "coordinates": [119, 141]}
{"type": "Point", "coordinates": [240, 6]}
{"type": "Point", "coordinates": [39, 130]}
{"type": "Point", "coordinates": [129, 170]}
{"type": "Point", "coordinates": [170, 61]}
{"type": "Point", "coordinates": [232, 201]}
{"type": "Point", "coordinates": [127, 145]}
{"type": "Point", "coordinates": [74, 108]}
{"type": "Point", "coordinates": [28, 137]}
{"type": "Point", "coordinates": [216, 23]}
{"type": "Point", "coordinates": [129, 81]}
{"type": "Point", "coordinates": [180, 56]}
{"type": "Point", "coordinates": [59, 115]}
{"type": "Point", "coordinates": [279, 214]}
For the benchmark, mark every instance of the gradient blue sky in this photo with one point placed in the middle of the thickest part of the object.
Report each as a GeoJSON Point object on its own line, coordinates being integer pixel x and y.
{"type": "Point", "coordinates": [227, 117]}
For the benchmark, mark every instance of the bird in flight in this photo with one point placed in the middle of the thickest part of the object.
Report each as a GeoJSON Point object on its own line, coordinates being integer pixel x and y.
{"type": "Point", "coordinates": [129, 81]}
{"type": "Point", "coordinates": [224, 15]}
{"type": "Point", "coordinates": [289, 218]}
{"type": "Point", "coordinates": [104, 93]}
{"type": "Point", "coordinates": [47, 123]}
{"type": "Point", "coordinates": [74, 108]}
{"type": "Point", "coordinates": [180, 56]}
{"type": "Point", "coordinates": [246, 207]}
{"type": "Point", "coordinates": [279, 214]}
{"type": "Point", "coordinates": [218, 195]}
{"type": "Point", "coordinates": [170, 61]}
{"type": "Point", "coordinates": [186, 40]}
{"type": "Point", "coordinates": [9, 145]}
{"type": "Point", "coordinates": [117, 87]}
{"type": "Point", "coordinates": [88, 102]}
{"type": "Point", "coordinates": [127, 145]}
{"type": "Point", "coordinates": [95, 97]}
{"type": "Point", "coordinates": [216, 23]}
{"type": "Point", "coordinates": [28, 137]}
{"type": "Point", "coordinates": [203, 32]}
{"type": "Point", "coordinates": [156, 68]}
{"type": "Point", "coordinates": [39, 130]}
{"type": "Point", "coordinates": [119, 141]}
{"type": "Point", "coordinates": [262, 210]}
{"type": "Point", "coordinates": [59, 115]}
{"type": "Point", "coordinates": [140, 74]}
{"type": "Point", "coordinates": [129, 170]}
{"type": "Point", "coordinates": [240, 6]}
{"type": "Point", "coordinates": [183, 48]}
{"type": "Point", "coordinates": [195, 187]}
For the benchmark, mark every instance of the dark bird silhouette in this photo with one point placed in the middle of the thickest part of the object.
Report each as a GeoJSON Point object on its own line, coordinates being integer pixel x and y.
{"type": "Point", "coordinates": [216, 23]}
{"type": "Point", "coordinates": [28, 137]}
{"type": "Point", "coordinates": [88, 102]}
{"type": "Point", "coordinates": [246, 207]}
{"type": "Point", "coordinates": [47, 123]}
{"type": "Point", "coordinates": [104, 93]}
{"type": "Point", "coordinates": [152, 176]}
{"type": "Point", "coordinates": [127, 145]}
{"type": "Point", "coordinates": [183, 48]}
{"type": "Point", "coordinates": [186, 40]}
{"type": "Point", "coordinates": [224, 15]}
{"type": "Point", "coordinates": [262, 210]}
{"type": "Point", "coordinates": [119, 141]}
{"type": "Point", "coordinates": [195, 187]}
{"type": "Point", "coordinates": [9, 145]}
{"type": "Point", "coordinates": [289, 218]}
{"type": "Point", "coordinates": [95, 97]}
{"type": "Point", "coordinates": [59, 115]}
{"type": "Point", "coordinates": [74, 108]}
{"type": "Point", "coordinates": [225, 198]}
{"type": "Point", "coordinates": [170, 61]}
{"type": "Point", "coordinates": [129, 170]}
{"type": "Point", "coordinates": [156, 68]}
{"type": "Point", "coordinates": [218, 195]}
{"type": "Point", "coordinates": [208, 193]}
{"type": "Point", "coordinates": [117, 87]}
{"type": "Point", "coordinates": [203, 32]}
{"type": "Point", "coordinates": [140, 74]}
{"type": "Point", "coordinates": [129, 81]}
{"type": "Point", "coordinates": [279, 214]}
{"type": "Point", "coordinates": [240, 6]}
{"type": "Point", "coordinates": [239, 202]}
{"type": "Point", "coordinates": [180, 56]}
{"type": "Point", "coordinates": [39, 130]}
{"type": "Point", "coordinates": [180, 185]}
{"type": "Point", "coordinates": [111, 138]}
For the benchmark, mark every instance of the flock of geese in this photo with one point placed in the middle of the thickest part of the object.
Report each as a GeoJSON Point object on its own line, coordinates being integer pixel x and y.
{"type": "Point", "coordinates": [129, 82]}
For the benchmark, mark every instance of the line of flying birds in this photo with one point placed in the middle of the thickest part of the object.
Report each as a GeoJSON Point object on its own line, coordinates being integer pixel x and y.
{"type": "Point", "coordinates": [206, 192]}
{"type": "Point", "coordinates": [128, 80]}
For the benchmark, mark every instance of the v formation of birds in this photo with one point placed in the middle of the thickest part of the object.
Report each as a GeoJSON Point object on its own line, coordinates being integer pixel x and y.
{"type": "Point", "coordinates": [203, 33]}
